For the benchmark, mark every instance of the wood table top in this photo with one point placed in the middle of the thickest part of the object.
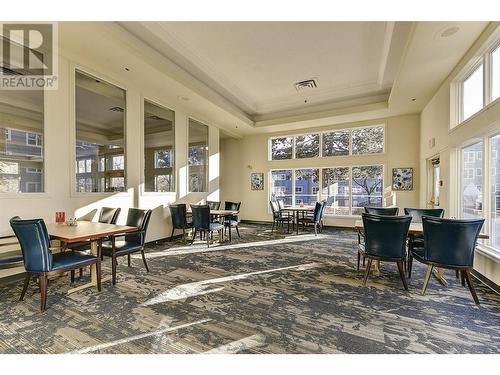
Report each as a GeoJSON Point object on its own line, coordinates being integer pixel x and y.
{"type": "Point", "coordinates": [298, 208]}
{"type": "Point", "coordinates": [85, 230]}
{"type": "Point", "coordinates": [219, 212]}
{"type": "Point", "coordinates": [415, 228]}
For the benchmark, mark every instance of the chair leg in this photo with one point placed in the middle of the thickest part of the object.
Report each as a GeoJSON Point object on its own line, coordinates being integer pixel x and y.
{"type": "Point", "coordinates": [457, 274]}
{"type": "Point", "coordinates": [128, 260]}
{"type": "Point", "coordinates": [27, 279]}
{"type": "Point", "coordinates": [315, 229]}
{"type": "Point", "coordinates": [81, 273]}
{"type": "Point", "coordinates": [184, 235]}
{"type": "Point", "coordinates": [144, 260]}
{"type": "Point", "coordinates": [98, 275]}
{"type": "Point", "coordinates": [402, 273]}
{"type": "Point", "coordinates": [43, 291]}
{"type": "Point", "coordinates": [113, 268]}
{"type": "Point", "coordinates": [363, 261]}
{"type": "Point", "coordinates": [359, 258]}
{"type": "Point", "coordinates": [427, 278]}
{"type": "Point", "coordinates": [72, 273]}
{"type": "Point", "coordinates": [471, 286]}
{"type": "Point", "coordinates": [462, 278]}
{"type": "Point", "coordinates": [172, 235]}
{"type": "Point", "coordinates": [367, 270]}
{"type": "Point", "coordinates": [208, 239]}
{"type": "Point", "coordinates": [194, 236]}
{"type": "Point", "coordinates": [272, 229]}
{"type": "Point", "coordinates": [410, 265]}
{"type": "Point", "coordinates": [238, 231]}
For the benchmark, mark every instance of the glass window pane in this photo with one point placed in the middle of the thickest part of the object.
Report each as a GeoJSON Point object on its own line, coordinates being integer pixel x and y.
{"type": "Point", "coordinates": [198, 156]}
{"type": "Point", "coordinates": [281, 185]}
{"type": "Point", "coordinates": [336, 143]}
{"type": "Point", "coordinates": [100, 135]}
{"type": "Point", "coordinates": [159, 142]}
{"type": "Point", "coordinates": [21, 141]}
{"type": "Point", "coordinates": [495, 191]}
{"type": "Point", "coordinates": [472, 183]}
{"type": "Point", "coordinates": [495, 74]}
{"type": "Point", "coordinates": [368, 140]}
{"type": "Point", "coordinates": [281, 148]}
{"type": "Point", "coordinates": [307, 146]}
{"type": "Point", "coordinates": [336, 190]}
{"type": "Point", "coordinates": [307, 183]}
{"type": "Point", "coordinates": [367, 187]}
{"type": "Point", "coordinates": [472, 95]}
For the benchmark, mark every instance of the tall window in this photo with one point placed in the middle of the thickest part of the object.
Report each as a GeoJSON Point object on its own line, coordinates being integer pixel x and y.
{"type": "Point", "coordinates": [495, 73]}
{"type": "Point", "coordinates": [472, 183]}
{"type": "Point", "coordinates": [346, 190]}
{"type": "Point", "coordinates": [495, 191]}
{"type": "Point", "coordinates": [336, 190]}
{"type": "Point", "coordinates": [198, 156]}
{"type": "Point", "coordinates": [21, 141]}
{"type": "Point", "coordinates": [472, 93]}
{"type": "Point", "coordinates": [306, 183]}
{"type": "Point", "coordinates": [356, 141]}
{"type": "Point", "coordinates": [100, 135]}
{"type": "Point", "coordinates": [159, 140]}
{"type": "Point", "coordinates": [367, 187]}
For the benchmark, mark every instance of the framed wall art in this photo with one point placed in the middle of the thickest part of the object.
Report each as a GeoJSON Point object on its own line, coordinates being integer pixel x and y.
{"type": "Point", "coordinates": [257, 181]}
{"type": "Point", "coordinates": [402, 179]}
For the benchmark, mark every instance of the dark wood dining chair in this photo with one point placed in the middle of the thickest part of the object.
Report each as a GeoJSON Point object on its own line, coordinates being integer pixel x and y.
{"type": "Point", "coordinates": [214, 205]}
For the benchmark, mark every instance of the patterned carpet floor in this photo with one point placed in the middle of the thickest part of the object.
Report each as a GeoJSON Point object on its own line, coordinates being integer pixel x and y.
{"type": "Point", "coordinates": [263, 293]}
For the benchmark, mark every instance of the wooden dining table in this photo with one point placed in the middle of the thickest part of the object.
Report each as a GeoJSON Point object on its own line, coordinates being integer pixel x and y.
{"type": "Point", "coordinates": [416, 229]}
{"type": "Point", "coordinates": [296, 210]}
{"type": "Point", "coordinates": [86, 231]}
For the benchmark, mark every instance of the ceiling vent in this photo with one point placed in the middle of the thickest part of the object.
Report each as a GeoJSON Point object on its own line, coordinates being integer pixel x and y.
{"type": "Point", "coordinates": [306, 85]}
{"type": "Point", "coordinates": [116, 109]}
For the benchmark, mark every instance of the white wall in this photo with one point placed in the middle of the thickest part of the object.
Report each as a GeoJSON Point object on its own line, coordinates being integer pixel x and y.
{"type": "Point", "coordinates": [241, 157]}
{"type": "Point", "coordinates": [435, 123]}
{"type": "Point", "coordinates": [79, 43]}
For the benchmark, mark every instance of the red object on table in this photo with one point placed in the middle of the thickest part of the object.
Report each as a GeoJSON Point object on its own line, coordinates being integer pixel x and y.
{"type": "Point", "coordinates": [60, 217]}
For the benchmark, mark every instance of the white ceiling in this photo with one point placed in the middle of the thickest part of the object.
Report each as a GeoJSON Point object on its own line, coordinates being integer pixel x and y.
{"type": "Point", "coordinates": [255, 64]}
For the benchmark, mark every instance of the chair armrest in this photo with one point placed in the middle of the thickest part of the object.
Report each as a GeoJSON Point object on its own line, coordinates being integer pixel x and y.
{"type": "Point", "coordinates": [361, 234]}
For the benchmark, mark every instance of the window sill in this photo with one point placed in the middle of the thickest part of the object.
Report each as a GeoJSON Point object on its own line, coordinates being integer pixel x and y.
{"type": "Point", "coordinates": [489, 252]}
{"type": "Point", "coordinates": [24, 195]}
{"type": "Point", "coordinates": [100, 194]}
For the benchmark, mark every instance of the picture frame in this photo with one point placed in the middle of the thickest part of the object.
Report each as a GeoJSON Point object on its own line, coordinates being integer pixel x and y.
{"type": "Point", "coordinates": [402, 179]}
{"type": "Point", "coordinates": [257, 181]}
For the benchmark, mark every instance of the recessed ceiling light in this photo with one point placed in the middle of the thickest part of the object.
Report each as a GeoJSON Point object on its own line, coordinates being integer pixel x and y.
{"type": "Point", "coordinates": [413, 99]}
{"type": "Point", "coordinates": [449, 31]}
{"type": "Point", "coordinates": [127, 69]}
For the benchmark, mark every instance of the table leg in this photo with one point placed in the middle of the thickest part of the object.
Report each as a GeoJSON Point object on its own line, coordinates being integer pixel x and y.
{"type": "Point", "coordinates": [93, 272]}
{"type": "Point", "coordinates": [376, 268]}
{"type": "Point", "coordinates": [297, 220]}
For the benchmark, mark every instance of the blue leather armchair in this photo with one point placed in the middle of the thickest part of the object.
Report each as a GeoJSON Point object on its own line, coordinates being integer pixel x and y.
{"type": "Point", "coordinates": [132, 241]}
{"type": "Point", "coordinates": [387, 211]}
{"type": "Point", "coordinates": [39, 260]}
{"type": "Point", "coordinates": [385, 240]}
{"type": "Point", "coordinates": [418, 240]}
{"type": "Point", "coordinates": [279, 218]}
{"type": "Point", "coordinates": [449, 243]}
{"type": "Point", "coordinates": [316, 219]}
{"type": "Point", "coordinates": [232, 221]}
{"type": "Point", "coordinates": [179, 219]}
{"type": "Point", "coordinates": [203, 224]}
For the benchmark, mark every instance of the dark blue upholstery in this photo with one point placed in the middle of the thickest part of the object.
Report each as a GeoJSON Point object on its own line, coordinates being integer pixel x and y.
{"type": "Point", "coordinates": [201, 217]}
{"type": "Point", "coordinates": [387, 211]}
{"type": "Point", "coordinates": [69, 260]}
{"type": "Point", "coordinates": [417, 213]}
{"type": "Point", "coordinates": [385, 236]}
{"type": "Point", "coordinates": [35, 244]}
{"type": "Point", "coordinates": [178, 215]}
{"type": "Point", "coordinates": [214, 205]}
{"type": "Point", "coordinates": [109, 215]}
{"type": "Point", "coordinates": [233, 206]}
{"type": "Point", "coordinates": [450, 242]}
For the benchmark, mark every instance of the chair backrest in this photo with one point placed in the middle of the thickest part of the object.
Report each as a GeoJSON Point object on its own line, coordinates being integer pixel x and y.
{"type": "Point", "coordinates": [178, 214]}
{"type": "Point", "coordinates": [232, 206]}
{"type": "Point", "coordinates": [387, 211]}
{"type": "Point", "coordinates": [274, 208]}
{"type": "Point", "coordinates": [140, 219]}
{"type": "Point", "coordinates": [385, 236]}
{"type": "Point", "coordinates": [281, 204]}
{"type": "Point", "coordinates": [417, 213]}
{"type": "Point", "coordinates": [214, 205]}
{"type": "Point", "coordinates": [318, 208]}
{"type": "Point", "coordinates": [109, 215]}
{"type": "Point", "coordinates": [201, 216]}
{"type": "Point", "coordinates": [449, 241]}
{"type": "Point", "coordinates": [35, 243]}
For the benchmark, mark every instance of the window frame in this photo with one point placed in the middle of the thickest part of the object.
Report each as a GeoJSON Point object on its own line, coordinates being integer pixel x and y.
{"type": "Point", "coordinates": [382, 124]}
{"type": "Point", "coordinates": [320, 183]}
{"type": "Point", "coordinates": [207, 171]}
